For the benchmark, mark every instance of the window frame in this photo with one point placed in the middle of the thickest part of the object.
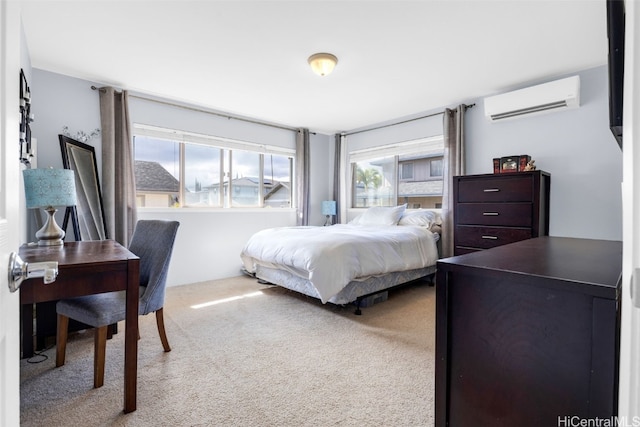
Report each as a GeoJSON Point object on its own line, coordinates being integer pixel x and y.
{"type": "Point", "coordinates": [404, 166]}
{"type": "Point", "coordinates": [432, 146]}
{"type": "Point", "coordinates": [441, 175]}
{"type": "Point", "coordinates": [226, 146]}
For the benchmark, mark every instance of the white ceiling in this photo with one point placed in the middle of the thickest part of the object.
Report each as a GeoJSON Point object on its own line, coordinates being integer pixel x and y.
{"type": "Point", "coordinates": [396, 58]}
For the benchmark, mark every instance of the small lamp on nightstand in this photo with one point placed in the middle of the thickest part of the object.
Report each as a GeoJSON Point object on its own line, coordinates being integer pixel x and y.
{"type": "Point", "coordinates": [328, 209]}
{"type": "Point", "coordinates": [48, 189]}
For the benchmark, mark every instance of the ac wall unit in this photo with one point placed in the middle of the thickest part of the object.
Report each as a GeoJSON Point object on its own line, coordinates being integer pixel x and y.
{"type": "Point", "coordinates": [546, 97]}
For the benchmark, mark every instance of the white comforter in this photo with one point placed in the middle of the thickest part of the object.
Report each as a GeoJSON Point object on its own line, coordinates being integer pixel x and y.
{"type": "Point", "coordinates": [331, 257]}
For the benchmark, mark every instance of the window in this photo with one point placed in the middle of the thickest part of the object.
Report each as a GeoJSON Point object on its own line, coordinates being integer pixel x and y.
{"type": "Point", "coordinates": [157, 170]}
{"type": "Point", "coordinates": [372, 186]}
{"type": "Point", "coordinates": [435, 168]}
{"type": "Point", "coordinates": [407, 172]}
{"type": "Point", "coordinates": [178, 169]}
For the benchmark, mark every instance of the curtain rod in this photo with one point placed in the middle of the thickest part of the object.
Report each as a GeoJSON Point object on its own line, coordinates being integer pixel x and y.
{"type": "Point", "coordinates": [258, 122]}
{"type": "Point", "coordinates": [466, 107]}
{"type": "Point", "coordinates": [202, 110]}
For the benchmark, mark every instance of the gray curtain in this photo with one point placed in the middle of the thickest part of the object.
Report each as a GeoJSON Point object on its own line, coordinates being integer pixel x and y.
{"type": "Point", "coordinates": [118, 179]}
{"type": "Point", "coordinates": [337, 176]}
{"type": "Point", "coordinates": [454, 165]}
{"type": "Point", "coordinates": [302, 176]}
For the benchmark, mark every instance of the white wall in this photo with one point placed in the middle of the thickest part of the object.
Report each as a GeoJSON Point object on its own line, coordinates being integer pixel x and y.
{"type": "Point", "coordinates": [148, 112]}
{"type": "Point", "coordinates": [421, 125]}
{"type": "Point", "coordinates": [575, 146]}
{"type": "Point", "coordinates": [62, 101]}
{"type": "Point", "coordinates": [320, 175]}
{"type": "Point", "coordinates": [208, 244]}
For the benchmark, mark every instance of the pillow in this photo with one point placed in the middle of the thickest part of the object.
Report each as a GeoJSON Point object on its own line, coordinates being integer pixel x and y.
{"type": "Point", "coordinates": [380, 215]}
{"type": "Point", "coordinates": [422, 218]}
{"type": "Point", "coordinates": [357, 220]}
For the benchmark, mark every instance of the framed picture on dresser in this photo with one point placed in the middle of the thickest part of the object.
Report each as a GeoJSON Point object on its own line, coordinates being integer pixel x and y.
{"type": "Point", "coordinates": [509, 164]}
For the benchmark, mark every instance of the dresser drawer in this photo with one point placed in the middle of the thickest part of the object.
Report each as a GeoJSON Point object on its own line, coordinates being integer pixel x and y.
{"type": "Point", "coordinates": [489, 237]}
{"type": "Point", "coordinates": [516, 188]}
{"type": "Point", "coordinates": [461, 250]}
{"type": "Point", "coordinates": [500, 214]}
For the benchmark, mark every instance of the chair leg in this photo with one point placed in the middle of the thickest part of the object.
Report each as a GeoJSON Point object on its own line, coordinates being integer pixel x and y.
{"type": "Point", "coordinates": [100, 346]}
{"type": "Point", "coordinates": [161, 331]}
{"type": "Point", "coordinates": [62, 331]}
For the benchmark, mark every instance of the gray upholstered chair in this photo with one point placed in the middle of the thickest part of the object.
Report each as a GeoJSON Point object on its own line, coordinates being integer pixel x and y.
{"type": "Point", "coordinates": [152, 241]}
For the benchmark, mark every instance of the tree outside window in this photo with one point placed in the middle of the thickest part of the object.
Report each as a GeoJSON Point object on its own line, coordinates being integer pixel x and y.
{"type": "Point", "coordinates": [408, 172]}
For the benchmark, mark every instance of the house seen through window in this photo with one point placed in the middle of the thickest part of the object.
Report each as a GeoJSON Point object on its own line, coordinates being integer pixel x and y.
{"type": "Point", "coordinates": [408, 172]}
{"type": "Point", "coordinates": [177, 169]}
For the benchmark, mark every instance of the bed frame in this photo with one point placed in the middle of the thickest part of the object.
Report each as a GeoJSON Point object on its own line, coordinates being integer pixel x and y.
{"type": "Point", "coordinates": [354, 292]}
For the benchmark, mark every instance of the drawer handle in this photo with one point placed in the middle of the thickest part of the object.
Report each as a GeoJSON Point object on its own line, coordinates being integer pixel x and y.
{"type": "Point", "coordinates": [490, 213]}
{"type": "Point", "coordinates": [491, 190]}
{"type": "Point", "coordinates": [490, 237]}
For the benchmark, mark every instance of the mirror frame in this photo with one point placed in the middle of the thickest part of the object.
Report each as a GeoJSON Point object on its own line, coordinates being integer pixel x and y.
{"type": "Point", "coordinates": [67, 145]}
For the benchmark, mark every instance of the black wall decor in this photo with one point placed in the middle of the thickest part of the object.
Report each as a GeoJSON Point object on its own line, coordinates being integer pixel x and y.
{"type": "Point", "coordinates": [26, 117]}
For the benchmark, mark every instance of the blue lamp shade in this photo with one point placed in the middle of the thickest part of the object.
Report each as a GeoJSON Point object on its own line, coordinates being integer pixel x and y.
{"type": "Point", "coordinates": [329, 207]}
{"type": "Point", "coordinates": [49, 188]}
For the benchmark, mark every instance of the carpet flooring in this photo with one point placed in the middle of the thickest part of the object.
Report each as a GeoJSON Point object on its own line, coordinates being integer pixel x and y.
{"type": "Point", "coordinates": [253, 355]}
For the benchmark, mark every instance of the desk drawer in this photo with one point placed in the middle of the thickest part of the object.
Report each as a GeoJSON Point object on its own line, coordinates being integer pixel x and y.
{"type": "Point", "coordinates": [516, 188]}
{"type": "Point", "coordinates": [489, 237]}
{"type": "Point", "coordinates": [498, 214]}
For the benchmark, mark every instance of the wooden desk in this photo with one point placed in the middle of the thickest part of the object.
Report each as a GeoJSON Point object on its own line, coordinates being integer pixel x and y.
{"type": "Point", "coordinates": [85, 268]}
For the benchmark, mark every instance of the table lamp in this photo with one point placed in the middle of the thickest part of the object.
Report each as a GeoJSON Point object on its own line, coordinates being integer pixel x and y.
{"type": "Point", "coordinates": [48, 189]}
{"type": "Point", "coordinates": [328, 209]}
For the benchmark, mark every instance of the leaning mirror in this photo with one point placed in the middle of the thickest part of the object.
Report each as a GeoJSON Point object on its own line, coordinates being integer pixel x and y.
{"type": "Point", "coordinates": [87, 217]}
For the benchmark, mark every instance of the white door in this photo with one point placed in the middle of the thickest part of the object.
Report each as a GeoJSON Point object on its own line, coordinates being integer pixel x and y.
{"type": "Point", "coordinates": [10, 37]}
{"type": "Point", "coordinates": [629, 406]}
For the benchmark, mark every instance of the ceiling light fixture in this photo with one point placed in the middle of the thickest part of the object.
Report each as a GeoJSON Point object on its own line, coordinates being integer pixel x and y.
{"type": "Point", "coordinates": [322, 63]}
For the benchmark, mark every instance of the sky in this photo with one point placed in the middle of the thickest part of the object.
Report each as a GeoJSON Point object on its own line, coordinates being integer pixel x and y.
{"type": "Point", "coordinates": [202, 162]}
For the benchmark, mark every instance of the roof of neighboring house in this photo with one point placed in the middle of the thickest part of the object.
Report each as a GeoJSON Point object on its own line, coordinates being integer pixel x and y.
{"type": "Point", "coordinates": [151, 176]}
{"type": "Point", "coordinates": [420, 188]}
{"type": "Point", "coordinates": [253, 182]}
{"type": "Point", "coordinates": [276, 189]}
{"type": "Point", "coordinates": [246, 182]}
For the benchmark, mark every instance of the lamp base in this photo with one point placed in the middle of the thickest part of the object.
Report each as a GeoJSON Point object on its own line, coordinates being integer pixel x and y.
{"type": "Point", "coordinates": [50, 234]}
{"type": "Point", "coordinates": [328, 221]}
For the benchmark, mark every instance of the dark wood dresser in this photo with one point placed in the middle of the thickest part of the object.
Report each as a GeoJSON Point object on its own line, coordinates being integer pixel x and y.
{"type": "Point", "coordinates": [528, 333]}
{"type": "Point", "coordinates": [496, 209]}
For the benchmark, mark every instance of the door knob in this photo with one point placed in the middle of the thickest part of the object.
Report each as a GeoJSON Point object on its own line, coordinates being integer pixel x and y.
{"type": "Point", "coordinates": [20, 270]}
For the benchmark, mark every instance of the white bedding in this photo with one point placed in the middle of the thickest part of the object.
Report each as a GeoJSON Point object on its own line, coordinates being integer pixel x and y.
{"type": "Point", "coordinates": [331, 257]}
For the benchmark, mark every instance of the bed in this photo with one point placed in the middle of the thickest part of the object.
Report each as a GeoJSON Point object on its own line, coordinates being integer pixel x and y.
{"type": "Point", "coordinates": [380, 249]}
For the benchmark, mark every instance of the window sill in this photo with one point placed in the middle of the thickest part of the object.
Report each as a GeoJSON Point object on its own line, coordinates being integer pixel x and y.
{"type": "Point", "coordinates": [216, 210]}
